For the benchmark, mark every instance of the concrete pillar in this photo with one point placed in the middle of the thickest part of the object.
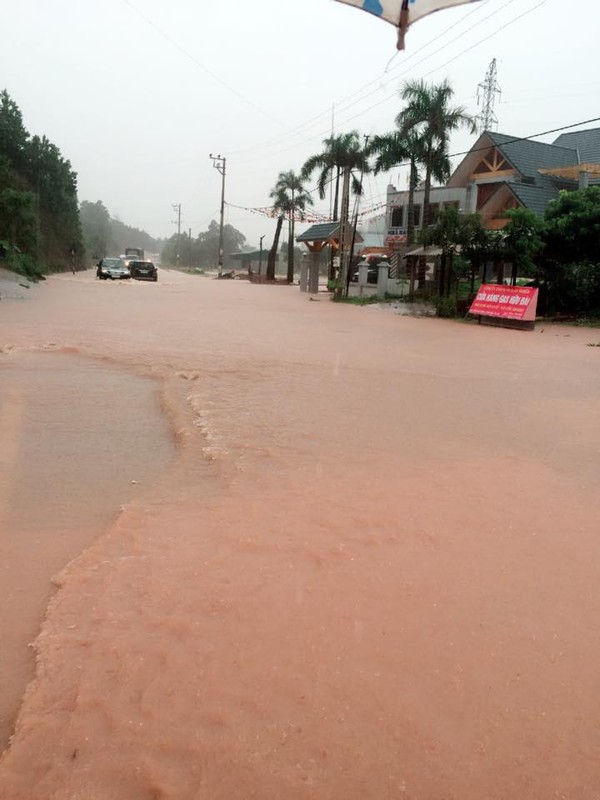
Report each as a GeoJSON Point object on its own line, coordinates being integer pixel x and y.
{"type": "Point", "coordinates": [363, 276]}
{"type": "Point", "coordinates": [363, 273]}
{"type": "Point", "coordinates": [314, 260]}
{"type": "Point", "coordinates": [304, 274]}
{"type": "Point", "coordinates": [584, 180]}
{"type": "Point", "coordinates": [383, 272]}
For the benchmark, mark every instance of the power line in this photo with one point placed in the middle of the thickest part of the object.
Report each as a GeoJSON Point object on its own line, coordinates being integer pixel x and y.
{"type": "Point", "coordinates": [317, 118]}
{"type": "Point", "coordinates": [314, 120]}
{"type": "Point", "coordinates": [481, 149]}
{"type": "Point", "coordinates": [458, 55]}
{"type": "Point", "coordinates": [200, 65]}
{"type": "Point", "coordinates": [426, 58]}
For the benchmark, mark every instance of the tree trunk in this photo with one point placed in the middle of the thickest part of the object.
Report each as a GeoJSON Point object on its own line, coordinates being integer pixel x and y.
{"type": "Point", "coordinates": [427, 193]}
{"type": "Point", "coordinates": [273, 251]}
{"type": "Point", "coordinates": [290, 264]}
{"type": "Point", "coordinates": [335, 219]}
{"type": "Point", "coordinates": [410, 216]}
{"type": "Point", "coordinates": [450, 274]}
{"type": "Point", "coordinates": [337, 195]}
{"type": "Point", "coordinates": [442, 275]}
{"type": "Point", "coordinates": [344, 228]}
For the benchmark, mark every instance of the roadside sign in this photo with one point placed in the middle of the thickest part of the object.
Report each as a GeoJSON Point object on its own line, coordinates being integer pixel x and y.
{"type": "Point", "coordinates": [506, 302]}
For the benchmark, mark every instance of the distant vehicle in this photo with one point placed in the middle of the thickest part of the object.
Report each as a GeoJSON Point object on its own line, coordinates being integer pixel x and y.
{"type": "Point", "coordinates": [143, 271]}
{"type": "Point", "coordinates": [113, 269]}
{"type": "Point", "coordinates": [133, 254]}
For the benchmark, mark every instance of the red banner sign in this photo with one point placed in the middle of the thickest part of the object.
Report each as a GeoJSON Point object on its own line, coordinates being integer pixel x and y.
{"type": "Point", "coordinates": [395, 240]}
{"type": "Point", "coordinates": [507, 302]}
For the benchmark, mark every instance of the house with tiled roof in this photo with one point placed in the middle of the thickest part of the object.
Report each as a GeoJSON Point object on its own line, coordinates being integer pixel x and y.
{"type": "Point", "coordinates": [501, 172]}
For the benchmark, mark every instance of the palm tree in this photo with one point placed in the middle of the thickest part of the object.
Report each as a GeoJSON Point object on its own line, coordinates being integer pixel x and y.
{"type": "Point", "coordinates": [340, 151]}
{"type": "Point", "coordinates": [291, 200]}
{"type": "Point", "coordinates": [342, 155]}
{"type": "Point", "coordinates": [392, 149]}
{"type": "Point", "coordinates": [429, 116]}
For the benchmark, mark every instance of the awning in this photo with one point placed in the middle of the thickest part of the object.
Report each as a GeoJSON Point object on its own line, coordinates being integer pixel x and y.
{"type": "Point", "coordinates": [424, 251]}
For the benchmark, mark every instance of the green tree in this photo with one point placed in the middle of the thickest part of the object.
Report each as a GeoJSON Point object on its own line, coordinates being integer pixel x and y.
{"type": "Point", "coordinates": [522, 240]}
{"type": "Point", "coordinates": [573, 226]}
{"type": "Point", "coordinates": [280, 202]}
{"type": "Point", "coordinates": [13, 136]}
{"type": "Point", "coordinates": [203, 251]}
{"type": "Point", "coordinates": [429, 116]}
{"type": "Point", "coordinates": [48, 206]}
{"type": "Point", "coordinates": [344, 157]}
{"type": "Point", "coordinates": [571, 263]}
{"type": "Point", "coordinates": [392, 149]}
{"type": "Point", "coordinates": [477, 244]}
{"type": "Point", "coordinates": [446, 234]}
{"type": "Point", "coordinates": [95, 223]}
{"type": "Point", "coordinates": [342, 151]}
{"type": "Point", "coordinates": [291, 199]}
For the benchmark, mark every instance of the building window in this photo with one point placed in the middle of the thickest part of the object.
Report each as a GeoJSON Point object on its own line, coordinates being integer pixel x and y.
{"type": "Point", "coordinates": [417, 216]}
{"type": "Point", "coordinates": [397, 217]}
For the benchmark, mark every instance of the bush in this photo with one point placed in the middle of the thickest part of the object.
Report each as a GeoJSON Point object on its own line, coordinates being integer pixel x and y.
{"type": "Point", "coordinates": [446, 307]}
{"type": "Point", "coordinates": [12, 259]}
{"type": "Point", "coordinates": [575, 288]}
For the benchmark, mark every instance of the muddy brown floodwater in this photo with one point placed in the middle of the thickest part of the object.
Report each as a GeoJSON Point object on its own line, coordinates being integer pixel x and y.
{"type": "Point", "coordinates": [370, 569]}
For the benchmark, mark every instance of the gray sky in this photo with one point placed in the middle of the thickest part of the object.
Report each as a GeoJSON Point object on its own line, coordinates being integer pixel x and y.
{"type": "Point", "coordinates": [137, 93]}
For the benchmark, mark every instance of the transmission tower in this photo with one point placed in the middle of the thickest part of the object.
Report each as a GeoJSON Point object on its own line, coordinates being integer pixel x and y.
{"type": "Point", "coordinates": [486, 97]}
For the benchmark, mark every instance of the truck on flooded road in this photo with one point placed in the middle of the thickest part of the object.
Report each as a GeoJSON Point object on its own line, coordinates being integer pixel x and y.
{"type": "Point", "coordinates": [133, 254]}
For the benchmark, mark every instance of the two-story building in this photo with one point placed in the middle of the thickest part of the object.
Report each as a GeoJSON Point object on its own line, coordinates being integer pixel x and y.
{"type": "Point", "coordinates": [502, 172]}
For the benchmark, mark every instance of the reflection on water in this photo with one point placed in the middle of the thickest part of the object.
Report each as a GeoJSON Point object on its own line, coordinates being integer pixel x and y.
{"type": "Point", "coordinates": [79, 439]}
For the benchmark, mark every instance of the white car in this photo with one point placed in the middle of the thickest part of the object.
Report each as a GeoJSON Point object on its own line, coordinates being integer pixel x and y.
{"type": "Point", "coordinates": [112, 268]}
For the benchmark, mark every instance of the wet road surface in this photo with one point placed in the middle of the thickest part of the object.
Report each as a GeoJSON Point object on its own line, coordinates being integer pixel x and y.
{"type": "Point", "coordinates": [370, 570]}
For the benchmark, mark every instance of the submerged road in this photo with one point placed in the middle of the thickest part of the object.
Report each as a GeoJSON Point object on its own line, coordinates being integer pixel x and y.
{"type": "Point", "coordinates": [368, 571]}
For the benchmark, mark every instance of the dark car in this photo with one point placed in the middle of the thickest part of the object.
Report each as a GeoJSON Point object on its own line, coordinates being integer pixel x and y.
{"type": "Point", "coordinates": [143, 271]}
{"type": "Point", "coordinates": [112, 268]}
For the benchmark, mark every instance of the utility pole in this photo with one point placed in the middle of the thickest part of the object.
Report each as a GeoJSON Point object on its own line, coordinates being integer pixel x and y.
{"type": "Point", "coordinates": [190, 239]}
{"type": "Point", "coordinates": [219, 163]}
{"type": "Point", "coordinates": [260, 255]}
{"type": "Point", "coordinates": [177, 210]}
{"type": "Point", "coordinates": [344, 230]}
{"type": "Point", "coordinates": [486, 93]}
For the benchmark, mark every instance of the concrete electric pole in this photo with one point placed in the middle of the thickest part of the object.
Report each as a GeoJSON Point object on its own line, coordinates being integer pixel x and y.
{"type": "Point", "coordinates": [486, 94]}
{"type": "Point", "coordinates": [260, 256]}
{"type": "Point", "coordinates": [219, 163]}
{"type": "Point", "coordinates": [177, 210]}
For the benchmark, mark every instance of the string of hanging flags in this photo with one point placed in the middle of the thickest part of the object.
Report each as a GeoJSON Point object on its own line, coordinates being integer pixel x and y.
{"type": "Point", "coordinates": [402, 13]}
{"type": "Point", "coordinates": [313, 217]}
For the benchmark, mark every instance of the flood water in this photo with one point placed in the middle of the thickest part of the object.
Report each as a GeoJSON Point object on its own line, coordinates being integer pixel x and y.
{"type": "Point", "coordinates": [79, 439]}
{"type": "Point", "coordinates": [369, 571]}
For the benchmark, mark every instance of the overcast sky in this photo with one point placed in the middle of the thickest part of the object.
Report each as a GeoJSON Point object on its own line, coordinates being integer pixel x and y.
{"type": "Point", "coordinates": [137, 93]}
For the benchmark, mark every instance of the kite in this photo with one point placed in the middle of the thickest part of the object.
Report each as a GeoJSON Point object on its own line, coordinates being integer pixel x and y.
{"type": "Point", "coordinates": [403, 13]}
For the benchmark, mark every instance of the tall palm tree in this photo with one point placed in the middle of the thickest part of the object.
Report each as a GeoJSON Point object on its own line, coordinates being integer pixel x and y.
{"type": "Point", "coordinates": [342, 154]}
{"type": "Point", "coordinates": [339, 151]}
{"type": "Point", "coordinates": [291, 199]}
{"type": "Point", "coordinates": [428, 114]}
{"type": "Point", "coordinates": [392, 149]}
